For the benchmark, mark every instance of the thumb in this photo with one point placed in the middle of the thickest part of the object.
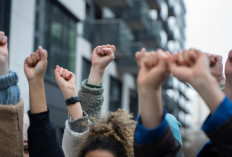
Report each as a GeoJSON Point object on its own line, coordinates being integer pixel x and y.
{"type": "Point", "coordinates": [43, 54]}
{"type": "Point", "coordinates": [163, 58]}
{"type": "Point", "coordinates": [109, 52]}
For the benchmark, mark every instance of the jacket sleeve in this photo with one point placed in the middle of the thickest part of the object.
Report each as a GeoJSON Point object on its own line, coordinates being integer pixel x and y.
{"type": "Point", "coordinates": [155, 142]}
{"type": "Point", "coordinates": [9, 90]}
{"type": "Point", "coordinates": [42, 138]}
{"type": "Point", "coordinates": [218, 128]}
{"type": "Point", "coordinates": [74, 130]}
{"type": "Point", "coordinates": [11, 116]}
{"type": "Point", "coordinates": [91, 99]}
{"type": "Point", "coordinates": [11, 130]}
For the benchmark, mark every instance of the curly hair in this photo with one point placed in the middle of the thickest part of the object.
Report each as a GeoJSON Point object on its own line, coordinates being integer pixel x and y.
{"type": "Point", "coordinates": [113, 133]}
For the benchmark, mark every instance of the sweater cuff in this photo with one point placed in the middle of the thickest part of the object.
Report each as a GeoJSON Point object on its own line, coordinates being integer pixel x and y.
{"type": "Point", "coordinates": [39, 119]}
{"type": "Point", "coordinates": [91, 85]}
{"type": "Point", "coordinates": [220, 116]}
{"type": "Point", "coordinates": [8, 80]}
{"type": "Point", "coordinates": [9, 90]}
{"type": "Point", "coordinates": [146, 136]}
{"type": "Point", "coordinates": [79, 125]}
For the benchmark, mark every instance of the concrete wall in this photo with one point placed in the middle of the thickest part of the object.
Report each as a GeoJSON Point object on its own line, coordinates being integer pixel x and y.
{"type": "Point", "coordinates": [21, 40]}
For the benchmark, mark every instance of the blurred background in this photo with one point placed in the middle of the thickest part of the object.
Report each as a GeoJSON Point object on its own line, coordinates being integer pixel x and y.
{"type": "Point", "coordinates": [71, 29]}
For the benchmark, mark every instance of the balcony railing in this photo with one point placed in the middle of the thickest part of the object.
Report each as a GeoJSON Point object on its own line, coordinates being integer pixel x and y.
{"type": "Point", "coordinates": [155, 37]}
{"type": "Point", "coordinates": [129, 64]}
{"type": "Point", "coordinates": [137, 17]}
{"type": "Point", "coordinates": [114, 3]}
{"type": "Point", "coordinates": [109, 31]}
{"type": "Point", "coordinates": [154, 4]}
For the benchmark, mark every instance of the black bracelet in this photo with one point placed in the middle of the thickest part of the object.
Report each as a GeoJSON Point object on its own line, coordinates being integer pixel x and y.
{"type": "Point", "coordinates": [72, 100]}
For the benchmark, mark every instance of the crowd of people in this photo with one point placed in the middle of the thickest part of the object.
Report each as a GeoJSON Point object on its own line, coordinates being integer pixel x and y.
{"type": "Point", "coordinates": [87, 133]}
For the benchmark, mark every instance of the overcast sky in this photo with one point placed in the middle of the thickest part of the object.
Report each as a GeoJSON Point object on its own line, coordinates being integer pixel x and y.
{"type": "Point", "coordinates": [209, 26]}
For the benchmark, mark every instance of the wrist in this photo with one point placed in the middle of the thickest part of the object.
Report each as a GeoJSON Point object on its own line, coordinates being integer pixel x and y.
{"type": "Point", "coordinates": [95, 76]}
{"type": "Point", "coordinates": [4, 68]}
{"type": "Point", "coordinates": [69, 93]}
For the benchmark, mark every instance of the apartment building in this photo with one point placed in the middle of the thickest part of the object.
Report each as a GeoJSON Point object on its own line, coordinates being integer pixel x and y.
{"type": "Point", "coordinates": [70, 29]}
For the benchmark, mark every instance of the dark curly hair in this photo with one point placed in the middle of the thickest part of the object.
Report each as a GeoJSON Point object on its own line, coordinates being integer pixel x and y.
{"type": "Point", "coordinates": [113, 133]}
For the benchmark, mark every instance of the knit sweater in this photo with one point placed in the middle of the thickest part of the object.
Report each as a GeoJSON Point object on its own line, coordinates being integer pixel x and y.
{"type": "Point", "coordinates": [11, 117]}
{"type": "Point", "coordinates": [91, 102]}
{"type": "Point", "coordinates": [9, 90]}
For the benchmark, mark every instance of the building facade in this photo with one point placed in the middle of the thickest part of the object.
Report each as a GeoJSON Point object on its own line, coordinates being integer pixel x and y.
{"type": "Point", "coordinates": [71, 29]}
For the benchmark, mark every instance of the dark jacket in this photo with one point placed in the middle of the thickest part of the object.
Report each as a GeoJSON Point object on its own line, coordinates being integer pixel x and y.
{"type": "Point", "coordinates": [218, 127]}
{"type": "Point", "coordinates": [42, 138]}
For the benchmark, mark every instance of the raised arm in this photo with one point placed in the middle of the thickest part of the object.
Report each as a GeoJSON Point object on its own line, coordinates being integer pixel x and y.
{"type": "Point", "coordinates": [153, 137]}
{"type": "Point", "coordinates": [217, 126]}
{"type": "Point", "coordinates": [11, 107]}
{"type": "Point", "coordinates": [92, 89]}
{"type": "Point", "coordinates": [186, 67]}
{"type": "Point", "coordinates": [42, 138]}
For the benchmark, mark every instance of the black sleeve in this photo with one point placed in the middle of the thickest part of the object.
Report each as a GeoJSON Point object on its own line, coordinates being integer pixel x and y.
{"type": "Point", "coordinates": [221, 142]}
{"type": "Point", "coordinates": [165, 146]}
{"type": "Point", "coordinates": [42, 138]}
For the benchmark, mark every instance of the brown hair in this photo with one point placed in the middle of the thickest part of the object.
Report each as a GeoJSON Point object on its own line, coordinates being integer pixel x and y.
{"type": "Point", "coordinates": [113, 133]}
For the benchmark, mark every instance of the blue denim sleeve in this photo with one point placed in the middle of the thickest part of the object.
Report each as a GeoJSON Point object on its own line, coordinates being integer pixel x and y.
{"type": "Point", "coordinates": [145, 136]}
{"type": "Point", "coordinates": [220, 116]}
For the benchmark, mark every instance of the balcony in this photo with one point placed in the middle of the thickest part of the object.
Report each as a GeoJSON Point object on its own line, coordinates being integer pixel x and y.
{"type": "Point", "coordinates": [129, 64]}
{"type": "Point", "coordinates": [136, 17]}
{"type": "Point", "coordinates": [114, 3]}
{"type": "Point", "coordinates": [154, 38]}
{"type": "Point", "coordinates": [154, 4]}
{"type": "Point", "coordinates": [109, 31]}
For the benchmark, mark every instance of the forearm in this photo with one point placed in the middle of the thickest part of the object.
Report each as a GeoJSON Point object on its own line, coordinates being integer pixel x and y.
{"type": "Point", "coordinates": [208, 88]}
{"type": "Point", "coordinates": [74, 110]}
{"type": "Point", "coordinates": [95, 76]}
{"type": "Point", "coordinates": [37, 97]}
{"type": "Point", "coordinates": [228, 88]}
{"type": "Point", "coordinates": [3, 66]}
{"type": "Point", "coordinates": [151, 109]}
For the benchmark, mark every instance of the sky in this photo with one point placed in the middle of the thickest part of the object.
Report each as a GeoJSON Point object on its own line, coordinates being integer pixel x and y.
{"type": "Point", "coordinates": [209, 26]}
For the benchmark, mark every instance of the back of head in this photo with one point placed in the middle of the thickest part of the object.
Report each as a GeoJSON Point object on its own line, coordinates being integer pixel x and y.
{"type": "Point", "coordinates": [113, 133]}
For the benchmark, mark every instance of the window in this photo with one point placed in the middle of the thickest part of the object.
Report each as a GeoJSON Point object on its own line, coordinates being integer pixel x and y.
{"type": "Point", "coordinates": [115, 94]}
{"type": "Point", "coordinates": [86, 65]}
{"type": "Point", "coordinates": [134, 103]}
{"type": "Point", "coordinates": [5, 9]}
{"type": "Point", "coordinates": [55, 30]}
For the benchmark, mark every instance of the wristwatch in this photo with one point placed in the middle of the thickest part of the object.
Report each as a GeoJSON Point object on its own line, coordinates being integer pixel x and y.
{"type": "Point", "coordinates": [72, 100]}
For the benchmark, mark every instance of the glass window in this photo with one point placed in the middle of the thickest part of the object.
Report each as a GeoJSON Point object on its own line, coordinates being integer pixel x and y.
{"type": "Point", "coordinates": [115, 94]}
{"type": "Point", "coordinates": [55, 30]}
{"type": "Point", "coordinates": [86, 65]}
{"type": "Point", "coordinates": [5, 9]}
{"type": "Point", "coordinates": [134, 103]}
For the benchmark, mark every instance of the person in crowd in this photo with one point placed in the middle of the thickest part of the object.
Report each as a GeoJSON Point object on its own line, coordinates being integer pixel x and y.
{"type": "Point", "coordinates": [153, 138]}
{"type": "Point", "coordinates": [42, 138]}
{"type": "Point", "coordinates": [11, 107]}
{"type": "Point", "coordinates": [110, 136]}
{"type": "Point", "coordinates": [171, 120]}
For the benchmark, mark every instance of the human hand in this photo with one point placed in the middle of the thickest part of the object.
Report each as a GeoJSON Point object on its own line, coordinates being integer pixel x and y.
{"type": "Point", "coordinates": [189, 66]}
{"type": "Point", "coordinates": [66, 82]}
{"type": "Point", "coordinates": [153, 69]}
{"type": "Point", "coordinates": [35, 65]}
{"type": "Point", "coordinates": [139, 57]}
{"type": "Point", "coordinates": [228, 67]}
{"type": "Point", "coordinates": [3, 54]}
{"type": "Point", "coordinates": [101, 57]}
{"type": "Point", "coordinates": [216, 67]}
